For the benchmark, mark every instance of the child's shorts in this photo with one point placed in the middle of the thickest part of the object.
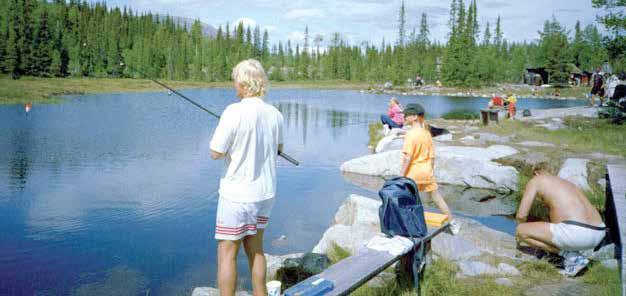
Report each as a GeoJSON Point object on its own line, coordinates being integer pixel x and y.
{"type": "Point", "coordinates": [235, 221]}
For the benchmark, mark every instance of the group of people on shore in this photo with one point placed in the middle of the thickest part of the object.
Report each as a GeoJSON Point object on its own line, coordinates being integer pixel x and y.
{"type": "Point", "coordinates": [508, 102]}
{"type": "Point", "coordinates": [606, 87]}
{"type": "Point", "coordinates": [574, 225]}
{"type": "Point", "coordinates": [249, 138]}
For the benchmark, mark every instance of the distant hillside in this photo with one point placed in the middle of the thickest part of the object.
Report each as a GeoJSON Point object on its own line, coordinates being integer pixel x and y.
{"type": "Point", "coordinates": [207, 30]}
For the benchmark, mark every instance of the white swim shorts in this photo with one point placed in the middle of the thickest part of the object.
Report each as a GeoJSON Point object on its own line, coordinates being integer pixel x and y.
{"type": "Point", "coordinates": [569, 237]}
{"type": "Point", "coordinates": [235, 221]}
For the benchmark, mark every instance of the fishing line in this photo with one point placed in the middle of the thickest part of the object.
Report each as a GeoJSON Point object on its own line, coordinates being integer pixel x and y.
{"type": "Point", "coordinates": [280, 153]}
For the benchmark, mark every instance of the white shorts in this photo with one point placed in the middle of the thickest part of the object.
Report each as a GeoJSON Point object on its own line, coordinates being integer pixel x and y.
{"type": "Point", "coordinates": [569, 237]}
{"type": "Point", "coordinates": [235, 220]}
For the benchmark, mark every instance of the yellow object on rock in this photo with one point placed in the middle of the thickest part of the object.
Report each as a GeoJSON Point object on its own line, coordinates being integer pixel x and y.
{"type": "Point", "coordinates": [435, 219]}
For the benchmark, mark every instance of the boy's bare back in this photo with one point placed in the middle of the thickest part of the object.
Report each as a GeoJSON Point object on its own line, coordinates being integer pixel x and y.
{"type": "Point", "coordinates": [565, 200]}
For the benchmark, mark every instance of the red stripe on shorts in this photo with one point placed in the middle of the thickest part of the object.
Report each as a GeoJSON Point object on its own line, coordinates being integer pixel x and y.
{"type": "Point", "coordinates": [234, 230]}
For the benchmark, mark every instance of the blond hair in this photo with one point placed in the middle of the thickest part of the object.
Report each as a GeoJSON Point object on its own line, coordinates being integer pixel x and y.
{"type": "Point", "coordinates": [394, 100]}
{"type": "Point", "coordinates": [250, 75]}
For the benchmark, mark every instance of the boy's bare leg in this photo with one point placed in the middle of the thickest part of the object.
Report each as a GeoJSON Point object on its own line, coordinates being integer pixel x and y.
{"type": "Point", "coordinates": [536, 234]}
{"type": "Point", "coordinates": [253, 245]}
{"type": "Point", "coordinates": [441, 204]}
{"type": "Point", "coordinates": [227, 266]}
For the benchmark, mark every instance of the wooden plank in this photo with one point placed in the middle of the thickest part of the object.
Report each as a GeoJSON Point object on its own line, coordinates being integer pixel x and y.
{"type": "Point", "coordinates": [352, 272]}
{"type": "Point", "coordinates": [616, 192]}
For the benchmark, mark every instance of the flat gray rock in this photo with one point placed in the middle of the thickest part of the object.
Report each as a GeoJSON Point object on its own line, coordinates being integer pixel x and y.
{"type": "Point", "coordinates": [493, 138]}
{"type": "Point", "coordinates": [536, 144]}
{"type": "Point", "coordinates": [504, 282]}
{"type": "Point", "coordinates": [575, 171]}
{"type": "Point", "coordinates": [475, 239]}
{"type": "Point", "coordinates": [456, 165]}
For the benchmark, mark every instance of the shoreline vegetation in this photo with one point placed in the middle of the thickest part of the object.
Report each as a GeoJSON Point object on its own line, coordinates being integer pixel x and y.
{"type": "Point", "coordinates": [49, 90]}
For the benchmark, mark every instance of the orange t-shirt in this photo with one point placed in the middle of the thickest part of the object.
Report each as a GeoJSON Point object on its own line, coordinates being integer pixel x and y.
{"type": "Point", "coordinates": [418, 145]}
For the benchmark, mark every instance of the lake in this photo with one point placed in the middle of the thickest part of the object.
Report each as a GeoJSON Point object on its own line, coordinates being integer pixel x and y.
{"type": "Point", "coordinates": [117, 192]}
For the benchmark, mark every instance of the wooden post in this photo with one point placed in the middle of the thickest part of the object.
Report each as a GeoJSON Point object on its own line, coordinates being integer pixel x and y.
{"type": "Point", "coordinates": [616, 215]}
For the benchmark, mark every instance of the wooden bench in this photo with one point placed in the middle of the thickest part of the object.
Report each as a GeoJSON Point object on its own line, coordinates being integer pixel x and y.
{"type": "Point", "coordinates": [615, 214]}
{"type": "Point", "coordinates": [350, 273]}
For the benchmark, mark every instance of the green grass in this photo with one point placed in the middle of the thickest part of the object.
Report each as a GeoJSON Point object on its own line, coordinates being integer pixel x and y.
{"type": "Point", "coordinates": [337, 253]}
{"type": "Point", "coordinates": [462, 115]}
{"type": "Point", "coordinates": [440, 280]}
{"type": "Point", "coordinates": [539, 272]}
{"type": "Point", "coordinates": [582, 135]}
{"type": "Point", "coordinates": [606, 281]}
{"type": "Point", "coordinates": [46, 90]}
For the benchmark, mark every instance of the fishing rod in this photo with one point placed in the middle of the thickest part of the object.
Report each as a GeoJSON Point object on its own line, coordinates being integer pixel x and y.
{"type": "Point", "coordinates": [280, 153]}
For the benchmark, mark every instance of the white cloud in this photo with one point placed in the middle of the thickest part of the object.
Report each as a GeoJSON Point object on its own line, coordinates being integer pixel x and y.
{"type": "Point", "coordinates": [296, 36]}
{"type": "Point", "coordinates": [247, 22]}
{"type": "Point", "coordinates": [269, 28]}
{"type": "Point", "coordinates": [303, 13]}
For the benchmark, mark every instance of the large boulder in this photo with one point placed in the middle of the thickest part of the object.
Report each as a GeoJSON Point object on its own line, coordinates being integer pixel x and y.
{"type": "Point", "coordinates": [380, 164]}
{"type": "Point", "coordinates": [349, 237]}
{"type": "Point", "coordinates": [389, 143]}
{"type": "Point", "coordinates": [356, 222]}
{"type": "Point", "coordinates": [274, 263]}
{"type": "Point", "coordinates": [575, 171]}
{"type": "Point", "coordinates": [455, 165]}
{"type": "Point", "coordinates": [358, 209]}
{"type": "Point", "coordinates": [295, 270]}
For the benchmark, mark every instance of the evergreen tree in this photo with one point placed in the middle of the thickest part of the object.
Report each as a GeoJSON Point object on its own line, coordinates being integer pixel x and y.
{"type": "Point", "coordinates": [258, 47]}
{"type": "Point", "coordinates": [42, 48]}
{"type": "Point", "coordinates": [497, 38]}
{"type": "Point", "coordinates": [402, 24]}
{"type": "Point", "coordinates": [553, 46]}
{"type": "Point", "coordinates": [424, 32]}
{"type": "Point", "coordinates": [486, 35]}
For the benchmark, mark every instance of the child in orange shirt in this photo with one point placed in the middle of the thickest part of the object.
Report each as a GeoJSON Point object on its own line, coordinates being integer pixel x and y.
{"type": "Point", "coordinates": [419, 159]}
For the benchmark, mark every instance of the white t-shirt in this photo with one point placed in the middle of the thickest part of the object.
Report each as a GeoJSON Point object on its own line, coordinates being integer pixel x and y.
{"type": "Point", "coordinates": [249, 133]}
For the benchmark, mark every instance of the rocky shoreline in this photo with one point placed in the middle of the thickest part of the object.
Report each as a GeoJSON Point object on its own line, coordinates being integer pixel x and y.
{"type": "Point", "coordinates": [521, 90]}
{"type": "Point", "coordinates": [477, 176]}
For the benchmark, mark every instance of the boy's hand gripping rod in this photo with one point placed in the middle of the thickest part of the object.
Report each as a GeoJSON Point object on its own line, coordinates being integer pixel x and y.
{"type": "Point", "coordinates": [280, 153]}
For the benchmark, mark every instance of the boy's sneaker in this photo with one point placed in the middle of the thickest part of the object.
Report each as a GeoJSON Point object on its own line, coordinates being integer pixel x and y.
{"type": "Point", "coordinates": [574, 265]}
{"type": "Point", "coordinates": [455, 227]}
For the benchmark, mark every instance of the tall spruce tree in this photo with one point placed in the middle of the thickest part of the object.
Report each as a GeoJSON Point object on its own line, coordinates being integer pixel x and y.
{"type": "Point", "coordinates": [553, 45]}
{"type": "Point", "coordinates": [423, 36]}
{"type": "Point", "coordinates": [42, 48]}
{"type": "Point", "coordinates": [402, 25]}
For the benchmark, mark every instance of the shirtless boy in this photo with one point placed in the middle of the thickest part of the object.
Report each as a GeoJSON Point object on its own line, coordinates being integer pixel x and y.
{"type": "Point", "coordinates": [575, 225]}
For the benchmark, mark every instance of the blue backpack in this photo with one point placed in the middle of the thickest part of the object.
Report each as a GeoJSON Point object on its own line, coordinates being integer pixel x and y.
{"type": "Point", "coordinates": [401, 212]}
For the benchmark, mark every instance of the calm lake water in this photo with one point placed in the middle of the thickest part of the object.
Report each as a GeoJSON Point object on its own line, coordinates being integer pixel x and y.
{"type": "Point", "coordinates": [116, 193]}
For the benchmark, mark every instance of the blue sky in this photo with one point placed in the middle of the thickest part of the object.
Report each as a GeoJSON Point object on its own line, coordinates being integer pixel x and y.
{"type": "Point", "coordinates": [368, 20]}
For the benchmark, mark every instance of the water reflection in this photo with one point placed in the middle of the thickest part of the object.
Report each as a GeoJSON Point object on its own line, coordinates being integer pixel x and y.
{"type": "Point", "coordinates": [302, 117]}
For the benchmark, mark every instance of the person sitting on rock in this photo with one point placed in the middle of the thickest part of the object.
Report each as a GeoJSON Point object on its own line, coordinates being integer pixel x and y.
{"type": "Point", "coordinates": [419, 159]}
{"type": "Point", "coordinates": [496, 102]}
{"type": "Point", "coordinates": [575, 225]}
{"type": "Point", "coordinates": [394, 117]}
